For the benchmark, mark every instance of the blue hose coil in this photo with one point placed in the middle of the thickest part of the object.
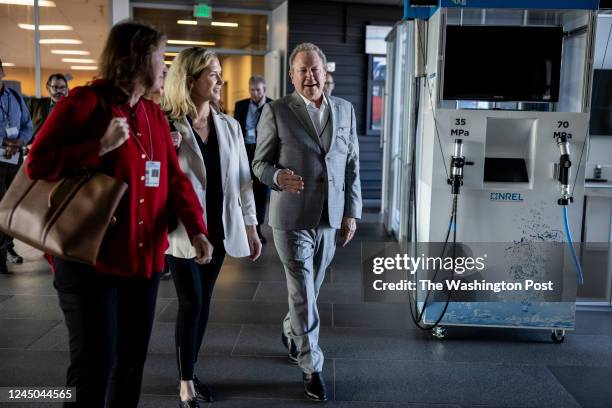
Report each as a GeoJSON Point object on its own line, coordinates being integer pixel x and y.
{"type": "Point", "coordinates": [571, 244]}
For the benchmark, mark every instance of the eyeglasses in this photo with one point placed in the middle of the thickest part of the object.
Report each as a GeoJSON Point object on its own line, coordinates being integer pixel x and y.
{"type": "Point", "coordinates": [58, 88]}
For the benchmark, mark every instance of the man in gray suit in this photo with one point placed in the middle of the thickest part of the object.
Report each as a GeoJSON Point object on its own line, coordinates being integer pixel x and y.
{"type": "Point", "coordinates": [307, 152]}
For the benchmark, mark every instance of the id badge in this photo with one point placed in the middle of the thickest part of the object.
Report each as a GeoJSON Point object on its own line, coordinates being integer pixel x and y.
{"type": "Point", "coordinates": [152, 170]}
{"type": "Point", "coordinates": [12, 132]}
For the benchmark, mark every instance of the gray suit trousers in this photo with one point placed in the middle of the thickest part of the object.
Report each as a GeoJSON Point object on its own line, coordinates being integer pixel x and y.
{"type": "Point", "coordinates": [305, 255]}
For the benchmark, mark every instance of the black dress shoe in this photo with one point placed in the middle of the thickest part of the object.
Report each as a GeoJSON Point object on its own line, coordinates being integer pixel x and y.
{"type": "Point", "coordinates": [203, 393]}
{"type": "Point", "coordinates": [192, 403]}
{"type": "Point", "coordinates": [292, 348]}
{"type": "Point", "coordinates": [314, 387]}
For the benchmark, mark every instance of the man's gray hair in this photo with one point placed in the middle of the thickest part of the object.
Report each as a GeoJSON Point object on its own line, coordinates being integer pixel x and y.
{"type": "Point", "coordinates": [257, 79]}
{"type": "Point", "coordinates": [305, 47]}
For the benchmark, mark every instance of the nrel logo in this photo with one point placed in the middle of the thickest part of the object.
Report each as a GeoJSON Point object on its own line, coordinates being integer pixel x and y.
{"type": "Point", "coordinates": [506, 197]}
{"type": "Point", "coordinates": [460, 2]}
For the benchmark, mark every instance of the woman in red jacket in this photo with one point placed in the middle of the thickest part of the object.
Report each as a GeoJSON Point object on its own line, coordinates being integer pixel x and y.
{"type": "Point", "coordinates": [109, 307]}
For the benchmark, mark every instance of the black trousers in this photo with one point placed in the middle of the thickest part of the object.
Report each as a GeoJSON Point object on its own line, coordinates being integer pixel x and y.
{"type": "Point", "coordinates": [7, 174]}
{"type": "Point", "coordinates": [260, 190]}
{"type": "Point", "coordinates": [5, 240]}
{"type": "Point", "coordinates": [109, 322]}
{"type": "Point", "coordinates": [194, 287]}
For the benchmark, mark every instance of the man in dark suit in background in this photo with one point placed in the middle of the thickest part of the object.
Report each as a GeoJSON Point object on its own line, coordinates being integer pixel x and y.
{"type": "Point", "coordinates": [40, 108]}
{"type": "Point", "coordinates": [247, 112]}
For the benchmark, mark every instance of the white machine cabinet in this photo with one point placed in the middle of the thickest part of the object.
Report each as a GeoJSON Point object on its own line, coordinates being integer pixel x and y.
{"type": "Point", "coordinates": [510, 188]}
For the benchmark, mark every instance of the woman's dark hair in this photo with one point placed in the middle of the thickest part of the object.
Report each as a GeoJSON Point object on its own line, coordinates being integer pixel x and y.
{"type": "Point", "coordinates": [127, 55]}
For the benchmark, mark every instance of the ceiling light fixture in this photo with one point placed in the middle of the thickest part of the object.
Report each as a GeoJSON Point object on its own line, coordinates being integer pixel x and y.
{"type": "Point", "coordinates": [60, 41]}
{"type": "Point", "coordinates": [79, 60]}
{"type": "Point", "coordinates": [69, 52]}
{"type": "Point", "coordinates": [45, 27]}
{"type": "Point", "coordinates": [186, 42]}
{"type": "Point", "coordinates": [83, 68]}
{"type": "Point", "coordinates": [41, 3]}
{"type": "Point", "coordinates": [223, 24]}
{"type": "Point", "coordinates": [170, 54]}
{"type": "Point", "coordinates": [187, 22]}
{"type": "Point", "coordinates": [8, 64]}
{"type": "Point", "coordinates": [168, 62]}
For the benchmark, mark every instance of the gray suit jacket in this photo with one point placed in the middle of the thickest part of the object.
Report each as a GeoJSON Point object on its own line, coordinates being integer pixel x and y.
{"type": "Point", "coordinates": [286, 138]}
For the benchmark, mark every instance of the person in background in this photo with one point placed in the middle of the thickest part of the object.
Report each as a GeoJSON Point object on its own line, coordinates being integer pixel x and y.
{"type": "Point", "coordinates": [211, 145]}
{"type": "Point", "coordinates": [15, 132]}
{"type": "Point", "coordinates": [330, 85]}
{"type": "Point", "coordinates": [247, 112]}
{"type": "Point", "coordinates": [108, 126]}
{"type": "Point", "coordinates": [308, 153]}
{"type": "Point", "coordinates": [40, 108]}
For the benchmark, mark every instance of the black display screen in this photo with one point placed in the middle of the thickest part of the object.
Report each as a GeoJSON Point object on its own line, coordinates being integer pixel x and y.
{"type": "Point", "coordinates": [508, 63]}
{"type": "Point", "coordinates": [601, 103]}
{"type": "Point", "coordinates": [433, 3]}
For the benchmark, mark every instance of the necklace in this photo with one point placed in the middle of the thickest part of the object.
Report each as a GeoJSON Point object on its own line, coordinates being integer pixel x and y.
{"type": "Point", "coordinates": [137, 135]}
{"type": "Point", "coordinates": [197, 125]}
{"type": "Point", "coordinates": [202, 122]}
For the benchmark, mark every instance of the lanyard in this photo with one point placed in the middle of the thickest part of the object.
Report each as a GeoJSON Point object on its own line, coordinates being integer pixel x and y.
{"type": "Point", "coordinates": [7, 112]}
{"type": "Point", "coordinates": [137, 137]}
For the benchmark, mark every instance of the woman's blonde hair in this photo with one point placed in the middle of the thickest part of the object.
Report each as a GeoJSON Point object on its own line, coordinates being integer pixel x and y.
{"type": "Point", "coordinates": [186, 68]}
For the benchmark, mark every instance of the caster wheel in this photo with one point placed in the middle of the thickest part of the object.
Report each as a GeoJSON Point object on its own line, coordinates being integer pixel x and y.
{"type": "Point", "coordinates": [558, 336]}
{"type": "Point", "coordinates": [439, 332]}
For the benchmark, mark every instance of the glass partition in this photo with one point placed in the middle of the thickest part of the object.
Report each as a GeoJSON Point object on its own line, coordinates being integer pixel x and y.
{"type": "Point", "coordinates": [71, 38]}
{"type": "Point", "coordinates": [17, 47]}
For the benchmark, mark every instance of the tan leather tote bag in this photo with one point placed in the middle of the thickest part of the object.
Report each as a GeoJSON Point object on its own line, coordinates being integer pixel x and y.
{"type": "Point", "coordinates": [66, 218]}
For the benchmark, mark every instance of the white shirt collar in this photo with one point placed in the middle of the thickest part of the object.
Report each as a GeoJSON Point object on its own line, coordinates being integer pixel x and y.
{"type": "Point", "coordinates": [310, 103]}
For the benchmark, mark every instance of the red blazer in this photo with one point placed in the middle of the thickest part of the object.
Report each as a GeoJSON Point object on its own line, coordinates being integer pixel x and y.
{"type": "Point", "coordinates": [69, 141]}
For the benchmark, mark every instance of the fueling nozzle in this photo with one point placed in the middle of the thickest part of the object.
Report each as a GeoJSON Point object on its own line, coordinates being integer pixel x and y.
{"type": "Point", "coordinates": [456, 167]}
{"type": "Point", "coordinates": [564, 166]}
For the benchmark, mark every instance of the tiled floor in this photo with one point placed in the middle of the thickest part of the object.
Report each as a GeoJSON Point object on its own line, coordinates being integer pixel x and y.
{"type": "Point", "coordinates": [374, 356]}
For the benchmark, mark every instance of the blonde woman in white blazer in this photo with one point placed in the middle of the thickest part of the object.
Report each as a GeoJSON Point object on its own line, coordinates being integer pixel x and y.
{"type": "Point", "coordinates": [212, 154]}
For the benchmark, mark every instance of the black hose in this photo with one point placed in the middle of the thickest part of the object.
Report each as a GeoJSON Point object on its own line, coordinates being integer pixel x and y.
{"type": "Point", "coordinates": [414, 314]}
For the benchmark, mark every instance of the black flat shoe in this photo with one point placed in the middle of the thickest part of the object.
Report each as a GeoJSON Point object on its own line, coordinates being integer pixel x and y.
{"type": "Point", "coordinates": [314, 387]}
{"type": "Point", "coordinates": [192, 403]}
{"type": "Point", "coordinates": [293, 351]}
{"type": "Point", "coordinates": [203, 393]}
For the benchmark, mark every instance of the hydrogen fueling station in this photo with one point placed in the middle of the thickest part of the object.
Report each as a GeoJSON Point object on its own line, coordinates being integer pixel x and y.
{"type": "Point", "coordinates": [492, 99]}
